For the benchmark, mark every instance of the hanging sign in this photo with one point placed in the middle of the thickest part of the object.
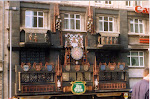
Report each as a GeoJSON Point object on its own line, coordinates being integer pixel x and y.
{"type": "Point", "coordinates": [78, 87]}
{"type": "Point", "coordinates": [139, 9]}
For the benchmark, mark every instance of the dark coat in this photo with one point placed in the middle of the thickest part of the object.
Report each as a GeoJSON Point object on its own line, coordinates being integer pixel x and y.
{"type": "Point", "coordinates": [139, 90]}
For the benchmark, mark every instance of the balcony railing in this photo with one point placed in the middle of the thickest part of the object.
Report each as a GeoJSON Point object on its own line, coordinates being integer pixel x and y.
{"type": "Point", "coordinates": [37, 38]}
{"type": "Point", "coordinates": [108, 39]}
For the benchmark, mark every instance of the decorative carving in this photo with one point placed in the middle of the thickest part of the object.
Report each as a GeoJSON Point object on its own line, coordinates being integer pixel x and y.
{"type": "Point", "coordinates": [25, 67]}
{"type": "Point", "coordinates": [90, 26]}
{"type": "Point", "coordinates": [77, 67]}
{"type": "Point", "coordinates": [121, 66]}
{"type": "Point", "coordinates": [102, 66]}
{"type": "Point", "coordinates": [37, 88]}
{"type": "Point", "coordinates": [67, 67]}
{"type": "Point", "coordinates": [35, 38]}
{"type": "Point", "coordinates": [37, 66]}
{"type": "Point", "coordinates": [112, 66]}
{"type": "Point", "coordinates": [76, 53]}
{"type": "Point", "coordinates": [86, 66]}
{"type": "Point", "coordinates": [30, 37]}
{"type": "Point", "coordinates": [120, 85]}
{"type": "Point", "coordinates": [49, 66]}
{"type": "Point", "coordinates": [73, 40]}
{"type": "Point", "coordinates": [46, 37]}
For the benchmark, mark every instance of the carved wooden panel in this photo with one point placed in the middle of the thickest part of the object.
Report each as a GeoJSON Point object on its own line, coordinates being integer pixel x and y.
{"type": "Point", "coordinates": [37, 88]}
{"type": "Point", "coordinates": [112, 85]}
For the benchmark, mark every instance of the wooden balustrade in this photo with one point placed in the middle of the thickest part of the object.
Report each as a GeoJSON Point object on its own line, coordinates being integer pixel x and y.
{"type": "Point", "coordinates": [107, 40]}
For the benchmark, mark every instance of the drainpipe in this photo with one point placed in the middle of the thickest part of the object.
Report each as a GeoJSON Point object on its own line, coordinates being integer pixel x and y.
{"type": "Point", "coordinates": [3, 31]}
{"type": "Point", "coordinates": [10, 66]}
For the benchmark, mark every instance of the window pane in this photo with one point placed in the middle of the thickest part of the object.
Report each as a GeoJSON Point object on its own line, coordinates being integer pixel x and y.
{"type": "Point", "coordinates": [109, 2]}
{"type": "Point", "coordinates": [129, 3]}
{"type": "Point", "coordinates": [66, 23]}
{"type": "Point", "coordinates": [77, 24]}
{"type": "Point", "coordinates": [27, 21]}
{"type": "Point", "coordinates": [141, 28]}
{"type": "Point", "coordinates": [131, 21]}
{"type": "Point", "coordinates": [136, 28]}
{"type": "Point", "coordinates": [71, 15]}
{"type": "Point", "coordinates": [136, 20]}
{"type": "Point", "coordinates": [135, 3]}
{"type": "Point", "coordinates": [134, 53]}
{"type": "Point", "coordinates": [77, 16]}
{"type": "Point", "coordinates": [141, 61]}
{"type": "Point", "coordinates": [100, 26]}
{"type": "Point", "coordinates": [40, 22]}
{"type": "Point", "coordinates": [110, 26]}
{"type": "Point", "coordinates": [40, 13]}
{"type": "Point", "coordinates": [140, 21]}
{"type": "Point", "coordinates": [28, 12]}
{"type": "Point", "coordinates": [126, 3]}
{"type": "Point", "coordinates": [66, 15]}
{"type": "Point", "coordinates": [128, 53]}
{"type": "Point", "coordinates": [128, 61]}
{"type": "Point", "coordinates": [131, 27]}
{"type": "Point", "coordinates": [72, 76]}
{"type": "Point", "coordinates": [35, 13]}
{"type": "Point", "coordinates": [72, 24]}
{"type": "Point", "coordinates": [141, 53]}
{"type": "Point", "coordinates": [100, 18]}
{"type": "Point", "coordinates": [110, 19]}
{"type": "Point", "coordinates": [106, 18]}
{"type": "Point", "coordinates": [134, 61]}
{"type": "Point", "coordinates": [34, 22]}
{"type": "Point", "coordinates": [105, 26]}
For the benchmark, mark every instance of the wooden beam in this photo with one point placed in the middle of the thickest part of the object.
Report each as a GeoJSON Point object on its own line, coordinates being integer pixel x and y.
{"type": "Point", "coordinates": [109, 94]}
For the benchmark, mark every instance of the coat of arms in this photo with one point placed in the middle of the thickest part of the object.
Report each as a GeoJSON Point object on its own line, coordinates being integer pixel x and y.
{"type": "Point", "coordinates": [77, 67]}
{"type": "Point", "coordinates": [49, 66]}
{"type": "Point", "coordinates": [25, 67]}
{"type": "Point", "coordinates": [67, 67]}
{"type": "Point", "coordinates": [37, 66]}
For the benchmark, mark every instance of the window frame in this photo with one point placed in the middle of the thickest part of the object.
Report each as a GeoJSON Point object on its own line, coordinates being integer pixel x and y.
{"type": "Point", "coordinates": [69, 21]}
{"type": "Point", "coordinates": [108, 23]}
{"type": "Point", "coordinates": [32, 17]}
{"type": "Point", "coordinates": [136, 3]}
{"type": "Point", "coordinates": [129, 2]}
{"type": "Point", "coordinates": [138, 56]}
{"type": "Point", "coordinates": [138, 26]}
{"type": "Point", "coordinates": [98, 2]}
{"type": "Point", "coordinates": [108, 3]}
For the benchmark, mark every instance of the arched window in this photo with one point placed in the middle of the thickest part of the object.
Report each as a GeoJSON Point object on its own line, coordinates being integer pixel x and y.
{"type": "Point", "coordinates": [22, 36]}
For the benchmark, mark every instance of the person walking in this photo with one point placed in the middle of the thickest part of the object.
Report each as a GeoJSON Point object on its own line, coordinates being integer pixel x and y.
{"type": "Point", "coordinates": [141, 89]}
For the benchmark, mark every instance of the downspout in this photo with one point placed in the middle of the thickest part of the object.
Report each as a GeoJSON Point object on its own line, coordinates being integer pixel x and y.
{"type": "Point", "coordinates": [3, 31]}
{"type": "Point", "coordinates": [10, 66]}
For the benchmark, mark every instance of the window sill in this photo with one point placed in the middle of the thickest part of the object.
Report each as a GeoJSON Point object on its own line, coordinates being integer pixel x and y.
{"type": "Point", "coordinates": [103, 33]}
{"type": "Point", "coordinates": [136, 66]}
{"type": "Point", "coordinates": [74, 31]}
{"type": "Point", "coordinates": [138, 34]}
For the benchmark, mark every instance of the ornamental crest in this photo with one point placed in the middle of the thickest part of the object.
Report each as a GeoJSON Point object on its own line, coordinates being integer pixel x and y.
{"type": "Point", "coordinates": [78, 87]}
{"type": "Point", "coordinates": [73, 40]}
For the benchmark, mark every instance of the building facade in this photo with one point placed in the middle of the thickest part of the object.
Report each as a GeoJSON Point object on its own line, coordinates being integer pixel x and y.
{"type": "Point", "coordinates": [72, 49]}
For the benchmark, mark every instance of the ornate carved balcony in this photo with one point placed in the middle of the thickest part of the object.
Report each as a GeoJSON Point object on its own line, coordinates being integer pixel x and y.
{"type": "Point", "coordinates": [34, 38]}
{"type": "Point", "coordinates": [108, 40]}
